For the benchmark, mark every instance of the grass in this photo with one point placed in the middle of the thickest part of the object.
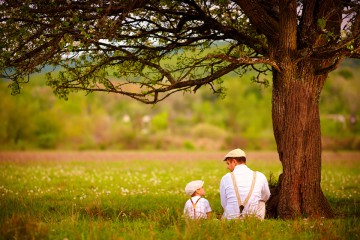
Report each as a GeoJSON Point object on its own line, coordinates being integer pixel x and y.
{"type": "Point", "coordinates": [145, 199]}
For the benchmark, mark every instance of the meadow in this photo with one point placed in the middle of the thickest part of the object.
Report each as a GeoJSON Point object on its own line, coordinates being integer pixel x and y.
{"type": "Point", "coordinates": [144, 198]}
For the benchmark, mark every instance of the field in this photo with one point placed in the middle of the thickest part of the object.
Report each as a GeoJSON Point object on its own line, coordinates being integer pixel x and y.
{"type": "Point", "coordinates": [140, 195]}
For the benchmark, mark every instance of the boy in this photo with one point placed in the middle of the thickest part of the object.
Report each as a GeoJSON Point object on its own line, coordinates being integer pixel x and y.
{"type": "Point", "coordinates": [196, 207]}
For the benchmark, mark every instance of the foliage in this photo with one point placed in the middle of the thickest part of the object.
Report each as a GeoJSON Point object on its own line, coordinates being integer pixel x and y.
{"type": "Point", "coordinates": [97, 121]}
{"type": "Point", "coordinates": [160, 121]}
{"type": "Point", "coordinates": [142, 199]}
{"type": "Point", "coordinates": [125, 48]}
{"type": "Point", "coordinates": [203, 130]}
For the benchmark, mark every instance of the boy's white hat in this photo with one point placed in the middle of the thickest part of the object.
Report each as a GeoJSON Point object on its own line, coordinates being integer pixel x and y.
{"type": "Point", "coordinates": [191, 187]}
{"type": "Point", "coordinates": [235, 153]}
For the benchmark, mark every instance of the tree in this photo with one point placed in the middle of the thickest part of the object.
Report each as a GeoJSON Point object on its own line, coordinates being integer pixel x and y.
{"type": "Point", "coordinates": [129, 47]}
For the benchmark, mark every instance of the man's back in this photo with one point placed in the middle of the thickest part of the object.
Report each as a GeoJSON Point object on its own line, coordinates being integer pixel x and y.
{"type": "Point", "coordinates": [244, 178]}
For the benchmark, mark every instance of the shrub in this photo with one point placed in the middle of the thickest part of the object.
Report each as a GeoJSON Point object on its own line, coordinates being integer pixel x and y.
{"type": "Point", "coordinates": [205, 130]}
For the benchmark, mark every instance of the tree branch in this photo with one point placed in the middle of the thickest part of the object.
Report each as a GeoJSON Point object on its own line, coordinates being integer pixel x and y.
{"type": "Point", "coordinates": [246, 60]}
{"type": "Point", "coordinates": [330, 68]}
{"type": "Point", "coordinates": [260, 18]}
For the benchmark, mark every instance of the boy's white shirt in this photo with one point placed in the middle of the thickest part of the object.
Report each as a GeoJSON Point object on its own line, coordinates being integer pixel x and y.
{"type": "Point", "coordinates": [202, 207]}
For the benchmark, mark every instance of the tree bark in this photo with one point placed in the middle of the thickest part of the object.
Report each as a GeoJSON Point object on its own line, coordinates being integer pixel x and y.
{"type": "Point", "coordinates": [297, 132]}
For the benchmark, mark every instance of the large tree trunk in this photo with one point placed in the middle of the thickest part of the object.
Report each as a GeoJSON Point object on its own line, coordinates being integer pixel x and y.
{"type": "Point", "coordinates": [297, 133]}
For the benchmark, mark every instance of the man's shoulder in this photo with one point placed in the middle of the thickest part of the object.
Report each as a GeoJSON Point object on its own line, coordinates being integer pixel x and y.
{"type": "Point", "coordinates": [225, 178]}
{"type": "Point", "coordinates": [260, 175]}
{"type": "Point", "coordinates": [227, 175]}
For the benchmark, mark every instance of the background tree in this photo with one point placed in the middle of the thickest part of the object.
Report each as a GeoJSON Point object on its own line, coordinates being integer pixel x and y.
{"type": "Point", "coordinates": [126, 47]}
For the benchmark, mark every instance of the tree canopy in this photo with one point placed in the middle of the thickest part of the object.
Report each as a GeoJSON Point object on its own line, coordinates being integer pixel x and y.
{"type": "Point", "coordinates": [112, 45]}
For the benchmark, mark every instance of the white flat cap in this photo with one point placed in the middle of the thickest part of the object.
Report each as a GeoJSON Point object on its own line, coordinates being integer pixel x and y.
{"type": "Point", "coordinates": [191, 187]}
{"type": "Point", "coordinates": [235, 153]}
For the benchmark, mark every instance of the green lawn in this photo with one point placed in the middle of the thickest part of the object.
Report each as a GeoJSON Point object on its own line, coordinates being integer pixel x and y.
{"type": "Point", "coordinates": [144, 199]}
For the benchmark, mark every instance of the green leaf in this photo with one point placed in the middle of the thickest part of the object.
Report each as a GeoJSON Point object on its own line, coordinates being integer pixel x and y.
{"type": "Point", "coordinates": [321, 22]}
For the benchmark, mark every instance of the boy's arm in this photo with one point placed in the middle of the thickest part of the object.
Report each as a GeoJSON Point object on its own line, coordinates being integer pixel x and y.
{"type": "Point", "coordinates": [207, 209]}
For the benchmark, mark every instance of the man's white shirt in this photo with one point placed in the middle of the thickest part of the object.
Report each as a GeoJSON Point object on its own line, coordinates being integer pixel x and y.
{"type": "Point", "coordinates": [244, 176]}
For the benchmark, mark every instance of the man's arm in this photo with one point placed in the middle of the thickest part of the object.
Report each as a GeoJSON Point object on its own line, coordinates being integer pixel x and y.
{"type": "Point", "coordinates": [265, 191]}
{"type": "Point", "coordinates": [222, 193]}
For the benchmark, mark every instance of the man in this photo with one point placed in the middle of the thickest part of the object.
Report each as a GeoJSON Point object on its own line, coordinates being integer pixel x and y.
{"type": "Point", "coordinates": [253, 188]}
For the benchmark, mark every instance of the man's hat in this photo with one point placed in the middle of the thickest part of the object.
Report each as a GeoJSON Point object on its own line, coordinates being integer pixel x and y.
{"type": "Point", "coordinates": [235, 153]}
